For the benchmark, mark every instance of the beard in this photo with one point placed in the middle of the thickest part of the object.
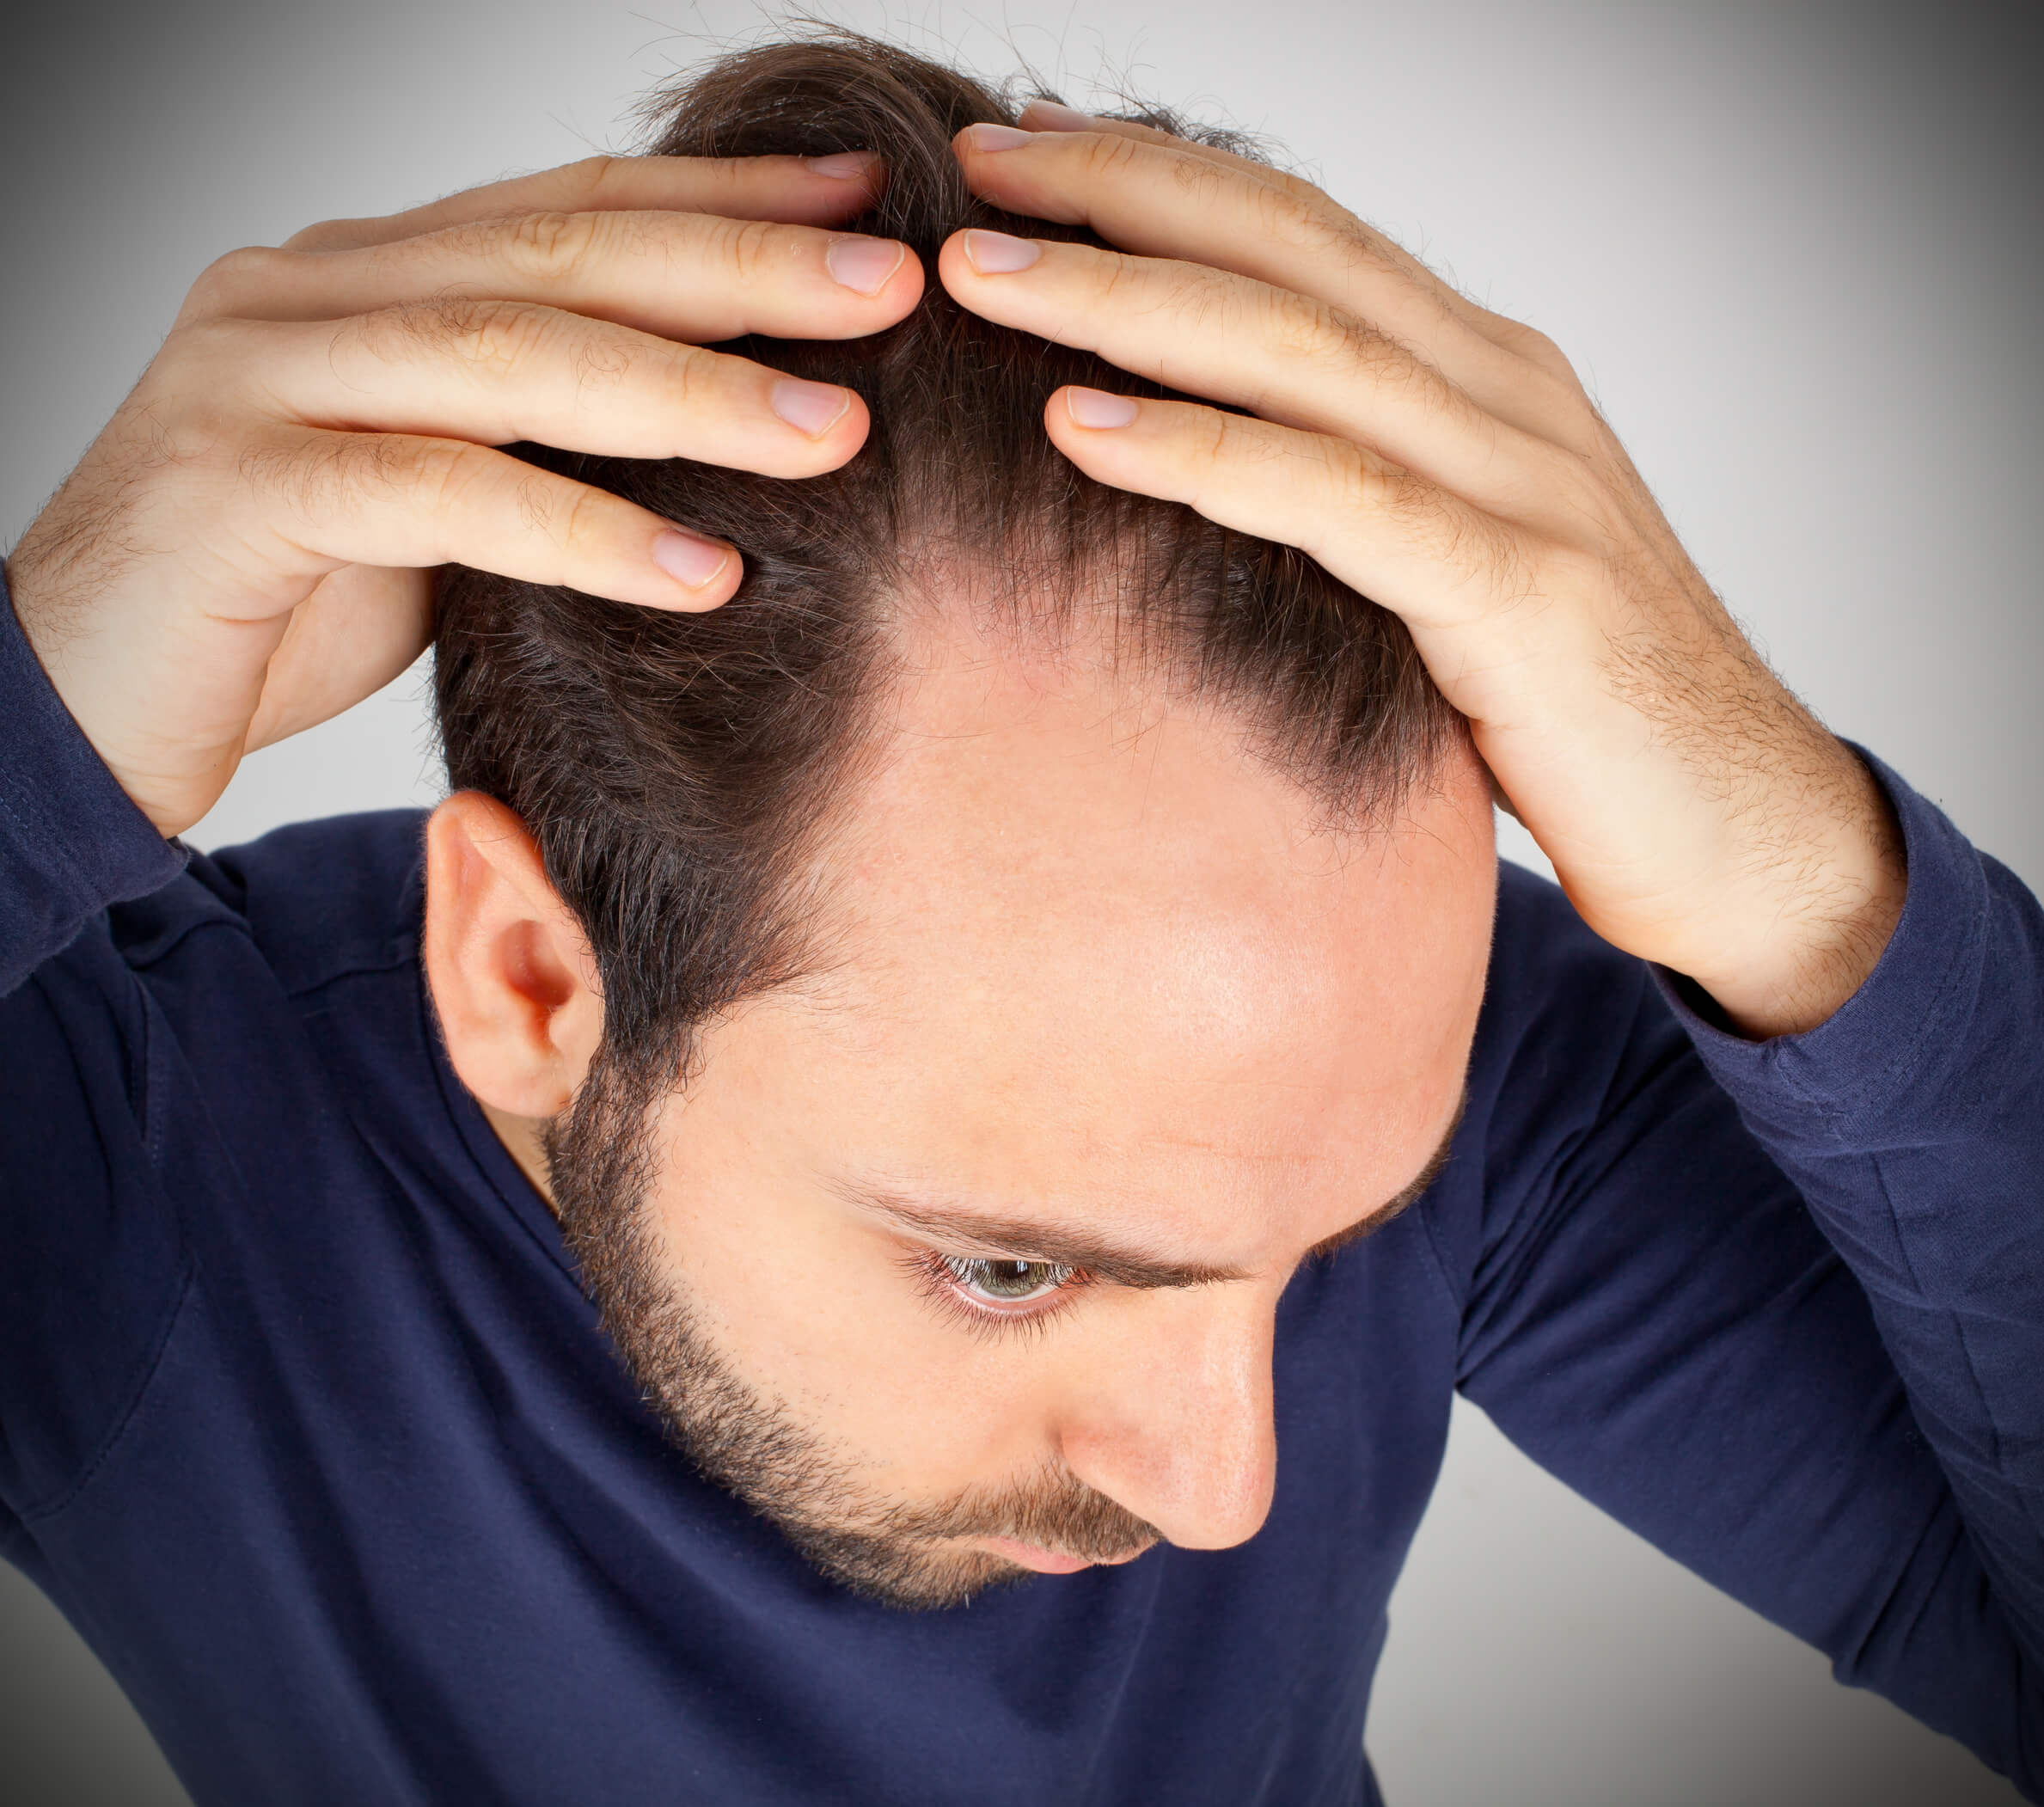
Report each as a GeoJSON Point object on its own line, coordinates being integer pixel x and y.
{"type": "Point", "coordinates": [601, 1161]}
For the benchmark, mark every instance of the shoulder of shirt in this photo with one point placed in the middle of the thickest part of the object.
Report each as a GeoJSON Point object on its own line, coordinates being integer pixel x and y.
{"type": "Point", "coordinates": [1559, 999]}
{"type": "Point", "coordinates": [314, 902]}
{"type": "Point", "coordinates": [1539, 939]}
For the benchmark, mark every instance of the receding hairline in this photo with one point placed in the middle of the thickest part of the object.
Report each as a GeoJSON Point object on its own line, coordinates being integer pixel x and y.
{"type": "Point", "coordinates": [1138, 668]}
{"type": "Point", "coordinates": [673, 769]}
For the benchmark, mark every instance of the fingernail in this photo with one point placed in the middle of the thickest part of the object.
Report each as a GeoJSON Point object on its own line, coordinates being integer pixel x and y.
{"type": "Point", "coordinates": [1096, 408]}
{"type": "Point", "coordinates": [996, 137]}
{"type": "Point", "coordinates": [689, 559]}
{"type": "Point", "coordinates": [864, 264]}
{"type": "Point", "coordinates": [1058, 117]}
{"type": "Point", "coordinates": [845, 165]}
{"type": "Point", "coordinates": [810, 408]}
{"type": "Point", "coordinates": [994, 253]}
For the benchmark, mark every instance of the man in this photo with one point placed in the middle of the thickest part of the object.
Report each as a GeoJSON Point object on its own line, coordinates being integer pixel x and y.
{"type": "Point", "coordinates": [1082, 1069]}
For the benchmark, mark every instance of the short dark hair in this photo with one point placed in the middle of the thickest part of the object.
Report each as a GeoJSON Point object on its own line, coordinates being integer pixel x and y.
{"type": "Point", "coordinates": [674, 769]}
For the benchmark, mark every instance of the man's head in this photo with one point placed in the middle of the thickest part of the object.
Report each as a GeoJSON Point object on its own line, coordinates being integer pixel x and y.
{"type": "Point", "coordinates": [956, 984]}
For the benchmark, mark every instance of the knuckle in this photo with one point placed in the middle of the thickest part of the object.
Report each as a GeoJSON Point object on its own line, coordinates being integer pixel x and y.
{"type": "Point", "coordinates": [500, 338]}
{"type": "Point", "coordinates": [1227, 439]}
{"type": "Point", "coordinates": [1320, 333]}
{"type": "Point", "coordinates": [1108, 153]}
{"type": "Point", "coordinates": [1368, 485]}
{"type": "Point", "coordinates": [1539, 351]}
{"type": "Point", "coordinates": [446, 477]}
{"type": "Point", "coordinates": [588, 181]}
{"type": "Point", "coordinates": [1200, 178]}
{"type": "Point", "coordinates": [325, 235]}
{"type": "Point", "coordinates": [575, 521]}
{"type": "Point", "coordinates": [690, 374]}
{"type": "Point", "coordinates": [493, 338]}
{"type": "Point", "coordinates": [599, 360]}
{"type": "Point", "coordinates": [190, 409]}
{"type": "Point", "coordinates": [748, 246]}
{"type": "Point", "coordinates": [1370, 257]}
{"type": "Point", "coordinates": [227, 284]}
{"type": "Point", "coordinates": [551, 247]}
{"type": "Point", "coordinates": [1304, 216]}
{"type": "Point", "coordinates": [192, 353]}
{"type": "Point", "coordinates": [448, 472]}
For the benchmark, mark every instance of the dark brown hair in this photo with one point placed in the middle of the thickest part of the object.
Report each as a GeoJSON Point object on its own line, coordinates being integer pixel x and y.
{"type": "Point", "coordinates": [674, 766]}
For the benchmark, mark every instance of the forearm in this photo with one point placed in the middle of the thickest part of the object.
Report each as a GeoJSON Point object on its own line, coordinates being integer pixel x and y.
{"type": "Point", "coordinates": [1800, 932]}
{"type": "Point", "coordinates": [71, 841]}
{"type": "Point", "coordinates": [1913, 1122]}
{"type": "Point", "coordinates": [1659, 1314]}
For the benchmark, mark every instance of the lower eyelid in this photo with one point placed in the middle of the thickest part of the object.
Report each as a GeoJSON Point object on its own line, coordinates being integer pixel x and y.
{"type": "Point", "coordinates": [993, 1309]}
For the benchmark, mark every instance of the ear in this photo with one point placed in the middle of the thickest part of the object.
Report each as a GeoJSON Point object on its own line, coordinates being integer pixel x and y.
{"type": "Point", "coordinates": [509, 971]}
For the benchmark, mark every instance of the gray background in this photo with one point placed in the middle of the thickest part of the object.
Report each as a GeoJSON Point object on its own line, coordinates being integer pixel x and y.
{"type": "Point", "coordinates": [1794, 251]}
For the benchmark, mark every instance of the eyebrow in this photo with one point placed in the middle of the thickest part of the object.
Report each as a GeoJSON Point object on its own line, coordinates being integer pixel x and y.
{"type": "Point", "coordinates": [1068, 1245]}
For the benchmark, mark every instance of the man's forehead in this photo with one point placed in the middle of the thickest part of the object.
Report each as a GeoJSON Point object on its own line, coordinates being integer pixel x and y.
{"type": "Point", "coordinates": [1105, 1245]}
{"type": "Point", "coordinates": [1087, 940]}
{"type": "Point", "coordinates": [1067, 774]}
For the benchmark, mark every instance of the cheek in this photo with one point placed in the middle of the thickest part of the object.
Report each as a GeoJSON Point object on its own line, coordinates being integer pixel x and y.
{"type": "Point", "coordinates": [812, 1309]}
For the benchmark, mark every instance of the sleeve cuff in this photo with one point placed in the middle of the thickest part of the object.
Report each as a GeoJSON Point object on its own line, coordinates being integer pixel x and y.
{"type": "Point", "coordinates": [1834, 1085]}
{"type": "Point", "coordinates": [72, 840]}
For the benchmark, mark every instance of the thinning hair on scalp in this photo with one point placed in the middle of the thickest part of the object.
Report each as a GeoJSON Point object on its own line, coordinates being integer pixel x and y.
{"type": "Point", "coordinates": [676, 769]}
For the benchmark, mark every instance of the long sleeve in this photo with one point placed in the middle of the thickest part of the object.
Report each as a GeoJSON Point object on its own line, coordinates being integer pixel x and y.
{"type": "Point", "coordinates": [90, 1257]}
{"type": "Point", "coordinates": [1912, 1124]}
{"type": "Point", "coordinates": [1779, 1307]}
{"type": "Point", "coordinates": [71, 841]}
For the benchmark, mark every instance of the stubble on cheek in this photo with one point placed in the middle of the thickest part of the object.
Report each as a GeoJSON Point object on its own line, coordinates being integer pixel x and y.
{"type": "Point", "coordinates": [601, 1157]}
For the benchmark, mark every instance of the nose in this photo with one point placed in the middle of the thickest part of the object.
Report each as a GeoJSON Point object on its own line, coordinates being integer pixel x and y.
{"type": "Point", "coordinates": [1175, 1422]}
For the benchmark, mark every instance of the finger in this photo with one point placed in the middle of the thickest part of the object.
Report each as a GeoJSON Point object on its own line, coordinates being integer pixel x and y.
{"type": "Point", "coordinates": [360, 628]}
{"type": "Point", "coordinates": [1094, 170]}
{"type": "Point", "coordinates": [500, 371]}
{"type": "Point", "coordinates": [1516, 336]}
{"type": "Point", "coordinates": [692, 276]}
{"type": "Point", "coordinates": [812, 191]}
{"type": "Point", "coordinates": [1150, 193]}
{"type": "Point", "coordinates": [1290, 360]}
{"type": "Point", "coordinates": [1041, 115]}
{"type": "Point", "coordinates": [1428, 555]}
{"type": "Point", "coordinates": [398, 499]}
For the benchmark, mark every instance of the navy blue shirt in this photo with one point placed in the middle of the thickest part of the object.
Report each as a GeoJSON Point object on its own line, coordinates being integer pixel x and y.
{"type": "Point", "coordinates": [308, 1427]}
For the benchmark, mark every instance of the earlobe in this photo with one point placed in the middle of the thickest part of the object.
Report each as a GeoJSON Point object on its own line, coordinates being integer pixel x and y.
{"type": "Point", "coordinates": [506, 962]}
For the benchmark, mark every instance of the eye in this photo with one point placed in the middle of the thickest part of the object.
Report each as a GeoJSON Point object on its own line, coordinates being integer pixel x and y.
{"type": "Point", "coordinates": [994, 1295]}
{"type": "Point", "coordinates": [1007, 1282]}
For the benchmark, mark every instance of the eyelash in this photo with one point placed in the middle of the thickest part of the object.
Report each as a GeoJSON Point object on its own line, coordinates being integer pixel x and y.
{"type": "Point", "coordinates": [939, 1282]}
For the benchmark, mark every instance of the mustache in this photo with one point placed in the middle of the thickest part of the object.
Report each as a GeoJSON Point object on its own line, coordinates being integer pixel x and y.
{"type": "Point", "coordinates": [1055, 1511]}
{"type": "Point", "coordinates": [890, 1557]}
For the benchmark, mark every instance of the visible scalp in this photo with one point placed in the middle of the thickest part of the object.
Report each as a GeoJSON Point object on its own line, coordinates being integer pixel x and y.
{"type": "Point", "coordinates": [673, 768]}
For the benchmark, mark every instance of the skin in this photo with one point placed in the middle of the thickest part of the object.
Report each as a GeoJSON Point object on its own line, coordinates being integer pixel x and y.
{"type": "Point", "coordinates": [1274, 1021]}
{"type": "Point", "coordinates": [1097, 973]}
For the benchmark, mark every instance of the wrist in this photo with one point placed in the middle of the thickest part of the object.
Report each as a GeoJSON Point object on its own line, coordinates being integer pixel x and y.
{"type": "Point", "coordinates": [1813, 922]}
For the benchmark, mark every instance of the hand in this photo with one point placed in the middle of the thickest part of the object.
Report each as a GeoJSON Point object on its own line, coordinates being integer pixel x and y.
{"type": "Point", "coordinates": [244, 551]}
{"type": "Point", "coordinates": [1445, 461]}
